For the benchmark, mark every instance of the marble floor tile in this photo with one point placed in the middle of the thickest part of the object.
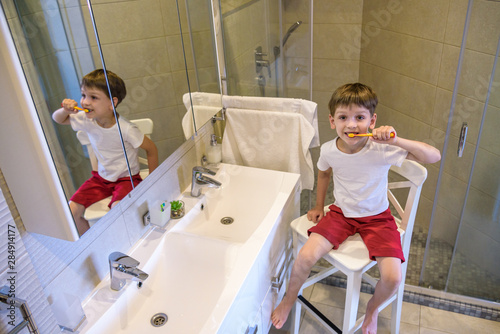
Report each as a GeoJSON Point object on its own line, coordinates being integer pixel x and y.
{"type": "Point", "coordinates": [415, 319]}
{"type": "Point", "coordinates": [450, 322]}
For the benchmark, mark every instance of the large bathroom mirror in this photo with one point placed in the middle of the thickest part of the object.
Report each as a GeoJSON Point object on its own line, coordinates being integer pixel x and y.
{"type": "Point", "coordinates": [141, 41]}
{"type": "Point", "coordinates": [158, 62]}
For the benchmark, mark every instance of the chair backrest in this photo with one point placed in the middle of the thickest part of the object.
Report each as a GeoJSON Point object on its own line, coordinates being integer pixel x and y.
{"type": "Point", "coordinates": [146, 127]}
{"type": "Point", "coordinates": [144, 124]}
{"type": "Point", "coordinates": [415, 175]}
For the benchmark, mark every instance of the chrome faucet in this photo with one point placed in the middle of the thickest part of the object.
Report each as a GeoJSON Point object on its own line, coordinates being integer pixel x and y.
{"type": "Point", "coordinates": [122, 268]}
{"type": "Point", "coordinates": [199, 180]}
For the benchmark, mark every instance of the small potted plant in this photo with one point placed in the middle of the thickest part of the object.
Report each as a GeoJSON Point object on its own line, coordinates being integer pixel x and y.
{"type": "Point", "coordinates": [176, 209]}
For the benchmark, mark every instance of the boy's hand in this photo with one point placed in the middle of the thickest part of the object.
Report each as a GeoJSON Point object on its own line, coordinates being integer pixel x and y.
{"type": "Point", "coordinates": [315, 214]}
{"type": "Point", "coordinates": [69, 106]}
{"type": "Point", "coordinates": [383, 135]}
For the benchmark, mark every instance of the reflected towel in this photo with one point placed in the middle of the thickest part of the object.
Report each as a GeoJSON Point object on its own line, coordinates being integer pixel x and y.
{"type": "Point", "coordinates": [202, 114]}
{"type": "Point", "coordinates": [202, 99]}
{"type": "Point", "coordinates": [205, 105]}
{"type": "Point", "coordinates": [270, 140]}
{"type": "Point", "coordinates": [304, 107]}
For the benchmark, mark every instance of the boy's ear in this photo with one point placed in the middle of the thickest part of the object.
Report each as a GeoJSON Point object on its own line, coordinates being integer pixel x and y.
{"type": "Point", "coordinates": [332, 123]}
{"type": "Point", "coordinates": [373, 120]}
{"type": "Point", "coordinates": [115, 103]}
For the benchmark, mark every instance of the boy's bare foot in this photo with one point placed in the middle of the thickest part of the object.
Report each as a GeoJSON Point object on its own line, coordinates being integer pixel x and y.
{"type": "Point", "coordinates": [280, 313]}
{"type": "Point", "coordinates": [370, 324]}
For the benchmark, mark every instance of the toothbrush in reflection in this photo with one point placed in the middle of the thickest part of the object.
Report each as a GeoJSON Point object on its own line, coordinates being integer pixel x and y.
{"type": "Point", "coordinates": [78, 108]}
{"type": "Point", "coordinates": [351, 135]}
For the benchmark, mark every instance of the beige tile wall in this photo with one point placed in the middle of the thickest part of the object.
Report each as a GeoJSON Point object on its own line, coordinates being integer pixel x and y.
{"type": "Point", "coordinates": [336, 52]}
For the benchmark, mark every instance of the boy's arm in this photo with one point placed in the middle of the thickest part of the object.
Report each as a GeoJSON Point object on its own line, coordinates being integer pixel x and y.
{"type": "Point", "coordinates": [61, 115]}
{"type": "Point", "coordinates": [151, 153]}
{"type": "Point", "coordinates": [316, 213]}
{"type": "Point", "coordinates": [417, 151]}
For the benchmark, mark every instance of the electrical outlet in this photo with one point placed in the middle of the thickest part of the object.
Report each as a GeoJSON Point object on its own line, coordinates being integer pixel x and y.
{"type": "Point", "coordinates": [146, 219]}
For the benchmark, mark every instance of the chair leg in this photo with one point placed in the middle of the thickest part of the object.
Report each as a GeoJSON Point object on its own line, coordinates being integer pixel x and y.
{"type": "Point", "coordinates": [351, 302]}
{"type": "Point", "coordinates": [396, 310]}
{"type": "Point", "coordinates": [296, 312]}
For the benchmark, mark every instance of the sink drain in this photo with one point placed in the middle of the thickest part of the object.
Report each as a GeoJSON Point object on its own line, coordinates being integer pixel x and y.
{"type": "Point", "coordinates": [159, 319]}
{"type": "Point", "coordinates": [227, 220]}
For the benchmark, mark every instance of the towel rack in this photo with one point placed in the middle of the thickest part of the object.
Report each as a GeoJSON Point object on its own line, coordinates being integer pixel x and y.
{"type": "Point", "coordinates": [22, 305]}
{"type": "Point", "coordinates": [221, 118]}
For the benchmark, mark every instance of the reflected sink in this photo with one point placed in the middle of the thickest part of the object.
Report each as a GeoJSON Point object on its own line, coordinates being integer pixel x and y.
{"type": "Point", "coordinates": [205, 265]}
{"type": "Point", "coordinates": [197, 266]}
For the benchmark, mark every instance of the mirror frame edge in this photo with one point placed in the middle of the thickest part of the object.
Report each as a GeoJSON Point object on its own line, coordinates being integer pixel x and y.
{"type": "Point", "coordinates": [37, 168]}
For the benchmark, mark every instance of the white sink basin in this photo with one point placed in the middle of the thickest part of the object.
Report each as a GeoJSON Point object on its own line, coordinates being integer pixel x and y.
{"type": "Point", "coordinates": [246, 197]}
{"type": "Point", "coordinates": [187, 299]}
{"type": "Point", "coordinates": [198, 266]}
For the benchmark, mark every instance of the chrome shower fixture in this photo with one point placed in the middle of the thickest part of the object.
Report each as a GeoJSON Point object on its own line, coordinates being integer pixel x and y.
{"type": "Point", "coordinates": [290, 30]}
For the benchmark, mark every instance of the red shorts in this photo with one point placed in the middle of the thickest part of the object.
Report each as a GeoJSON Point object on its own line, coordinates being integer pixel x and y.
{"type": "Point", "coordinates": [379, 233]}
{"type": "Point", "coordinates": [97, 188]}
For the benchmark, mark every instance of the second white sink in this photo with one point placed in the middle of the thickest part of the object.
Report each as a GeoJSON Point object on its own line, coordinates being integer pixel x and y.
{"type": "Point", "coordinates": [186, 277]}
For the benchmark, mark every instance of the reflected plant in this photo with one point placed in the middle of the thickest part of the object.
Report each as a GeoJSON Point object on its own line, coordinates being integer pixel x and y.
{"type": "Point", "coordinates": [176, 205]}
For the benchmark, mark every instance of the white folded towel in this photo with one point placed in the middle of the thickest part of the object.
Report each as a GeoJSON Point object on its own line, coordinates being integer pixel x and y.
{"type": "Point", "coordinates": [205, 105]}
{"type": "Point", "coordinates": [202, 99]}
{"type": "Point", "coordinates": [306, 108]}
{"type": "Point", "coordinates": [270, 140]}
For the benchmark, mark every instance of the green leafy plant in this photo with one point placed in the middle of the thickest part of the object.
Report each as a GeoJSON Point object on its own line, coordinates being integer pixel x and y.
{"type": "Point", "coordinates": [176, 205]}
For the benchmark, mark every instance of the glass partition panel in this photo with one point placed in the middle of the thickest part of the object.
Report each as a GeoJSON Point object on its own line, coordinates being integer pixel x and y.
{"type": "Point", "coordinates": [267, 48]}
{"type": "Point", "coordinates": [464, 234]}
{"type": "Point", "coordinates": [475, 266]}
{"type": "Point", "coordinates": [54, 61]}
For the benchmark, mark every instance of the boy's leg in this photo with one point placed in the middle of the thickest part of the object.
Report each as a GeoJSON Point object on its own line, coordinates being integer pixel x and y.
{"type": "Point", "coordinates": [390, 278]}
{"type": "Point", "coordinates": [314, 249]}
{"type": "Point", "coordinates": [82, 225]}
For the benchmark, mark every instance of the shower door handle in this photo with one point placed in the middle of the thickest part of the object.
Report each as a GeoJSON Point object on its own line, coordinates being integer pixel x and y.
{"type": "Point", "coordinates": [461, 140]}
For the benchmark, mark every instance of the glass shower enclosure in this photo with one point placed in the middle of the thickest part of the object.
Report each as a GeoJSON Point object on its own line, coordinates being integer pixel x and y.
{"type": "Point", "coordinates": [464, 232]}
{"type": "Point", "coordinates": [264, 47]}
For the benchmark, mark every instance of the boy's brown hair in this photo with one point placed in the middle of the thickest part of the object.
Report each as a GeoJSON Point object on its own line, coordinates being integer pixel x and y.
{"type": "Point", "coordinates": [353, 93]}
{"type": "Point", "coordinates": [97, 80]}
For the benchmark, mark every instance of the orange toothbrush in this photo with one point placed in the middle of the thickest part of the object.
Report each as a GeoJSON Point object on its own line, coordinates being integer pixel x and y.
{"type": "Point", "coordinates": [365, 135]}
{"type": "Point", "coordinates": [78, 108]}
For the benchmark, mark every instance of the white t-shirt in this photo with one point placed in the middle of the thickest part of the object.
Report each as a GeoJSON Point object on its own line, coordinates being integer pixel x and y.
{"type": "Point", "coordinates": [360, 179]}
{"type": "Point", "coordinates": [107, 145]}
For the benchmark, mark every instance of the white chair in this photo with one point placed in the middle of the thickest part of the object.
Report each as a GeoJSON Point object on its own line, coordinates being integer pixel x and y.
{"type": "Point", "coordinates": [97, 210]}
{"type": "Point", "coordinates": [351, 258]}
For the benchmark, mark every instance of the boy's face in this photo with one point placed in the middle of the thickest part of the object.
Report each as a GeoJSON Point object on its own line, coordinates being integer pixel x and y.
{"type": "Point", "coordinates": [352, 119]}
{"type": "Point", "coordinates": [97, 102]}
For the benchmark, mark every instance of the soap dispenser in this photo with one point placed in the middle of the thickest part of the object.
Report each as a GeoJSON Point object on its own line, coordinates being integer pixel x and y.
{"type": "Point", "coordinates": [214, 151]}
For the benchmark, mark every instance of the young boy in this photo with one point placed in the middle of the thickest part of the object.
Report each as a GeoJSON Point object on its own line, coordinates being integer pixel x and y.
{"type": "Point", "coordinates": [360, 166]}
{"type": "Point", "coordinates": [98, 121]}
